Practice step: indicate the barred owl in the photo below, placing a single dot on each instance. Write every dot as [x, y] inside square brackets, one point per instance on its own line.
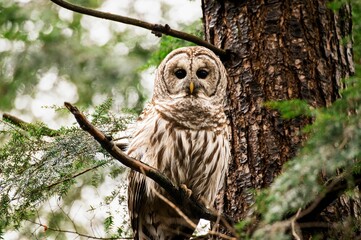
[183, 133]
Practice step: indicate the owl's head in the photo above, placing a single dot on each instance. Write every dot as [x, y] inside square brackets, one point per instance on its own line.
[194, 73]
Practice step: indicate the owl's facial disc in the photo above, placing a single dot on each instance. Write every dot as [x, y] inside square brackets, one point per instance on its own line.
[191, 75]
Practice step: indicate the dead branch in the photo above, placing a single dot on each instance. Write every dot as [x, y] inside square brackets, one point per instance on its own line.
[47, 228]
[156, 29]
[189, 205]
[75, 175]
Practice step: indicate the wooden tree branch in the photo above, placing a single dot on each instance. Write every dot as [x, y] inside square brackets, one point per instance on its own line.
[46, 130]
[308, 218]
[189, 205]
[14, 120]
[333, 191]
[25, 125]
[157, 29]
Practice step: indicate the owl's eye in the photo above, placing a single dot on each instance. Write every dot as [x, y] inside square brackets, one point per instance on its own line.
[201, 73]
[180, 73]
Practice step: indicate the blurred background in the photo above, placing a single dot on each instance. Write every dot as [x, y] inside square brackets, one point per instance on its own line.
[49, 55]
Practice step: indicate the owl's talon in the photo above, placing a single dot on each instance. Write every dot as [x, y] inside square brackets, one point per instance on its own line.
[186, 190]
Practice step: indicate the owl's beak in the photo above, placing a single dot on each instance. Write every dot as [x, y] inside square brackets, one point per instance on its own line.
[191, 87]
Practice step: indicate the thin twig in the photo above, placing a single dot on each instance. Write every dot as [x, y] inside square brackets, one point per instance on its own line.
[157, 29]
[47, 228]
[294, 226]
[189, 221]
[172, 205]
[60, 181]
[75, 175]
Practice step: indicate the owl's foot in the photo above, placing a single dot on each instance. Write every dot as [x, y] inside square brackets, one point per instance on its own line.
[187, 192]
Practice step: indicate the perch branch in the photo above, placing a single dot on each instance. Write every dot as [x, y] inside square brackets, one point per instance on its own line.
[157, 29]
[25, 125]
[190, 205]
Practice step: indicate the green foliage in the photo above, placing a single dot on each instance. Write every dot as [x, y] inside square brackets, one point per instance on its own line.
[36, 40]
[108, 223]
[37, 163]
[334, 145]
[49, 166]
[336, 5]
[292, 108]
[168, 44]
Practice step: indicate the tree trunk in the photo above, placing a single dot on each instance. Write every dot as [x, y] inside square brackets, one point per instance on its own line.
[279, 50]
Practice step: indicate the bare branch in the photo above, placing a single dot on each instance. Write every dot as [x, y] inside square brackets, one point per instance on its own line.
[157, 29]
[189, 205]
[295, 228]
[47, 228]
[75, 175]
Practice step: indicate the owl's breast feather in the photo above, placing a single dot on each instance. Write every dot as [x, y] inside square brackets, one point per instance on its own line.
[196, 158]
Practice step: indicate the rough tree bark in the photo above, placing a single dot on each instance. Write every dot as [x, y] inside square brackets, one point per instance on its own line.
[280, 50]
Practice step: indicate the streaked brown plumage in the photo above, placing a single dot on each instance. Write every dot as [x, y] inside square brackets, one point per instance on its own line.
[183, 133]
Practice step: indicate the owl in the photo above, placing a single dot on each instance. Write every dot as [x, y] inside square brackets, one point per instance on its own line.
[183, 133]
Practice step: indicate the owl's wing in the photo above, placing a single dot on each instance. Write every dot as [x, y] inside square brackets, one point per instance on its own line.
[137, 189]
[136, 199]
[124, 138]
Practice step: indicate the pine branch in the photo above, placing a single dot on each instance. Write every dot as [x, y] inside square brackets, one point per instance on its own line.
[308, 218]
[189, 205]
[156, 29]
[333, 191]
[75, 175]
[25, 125]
